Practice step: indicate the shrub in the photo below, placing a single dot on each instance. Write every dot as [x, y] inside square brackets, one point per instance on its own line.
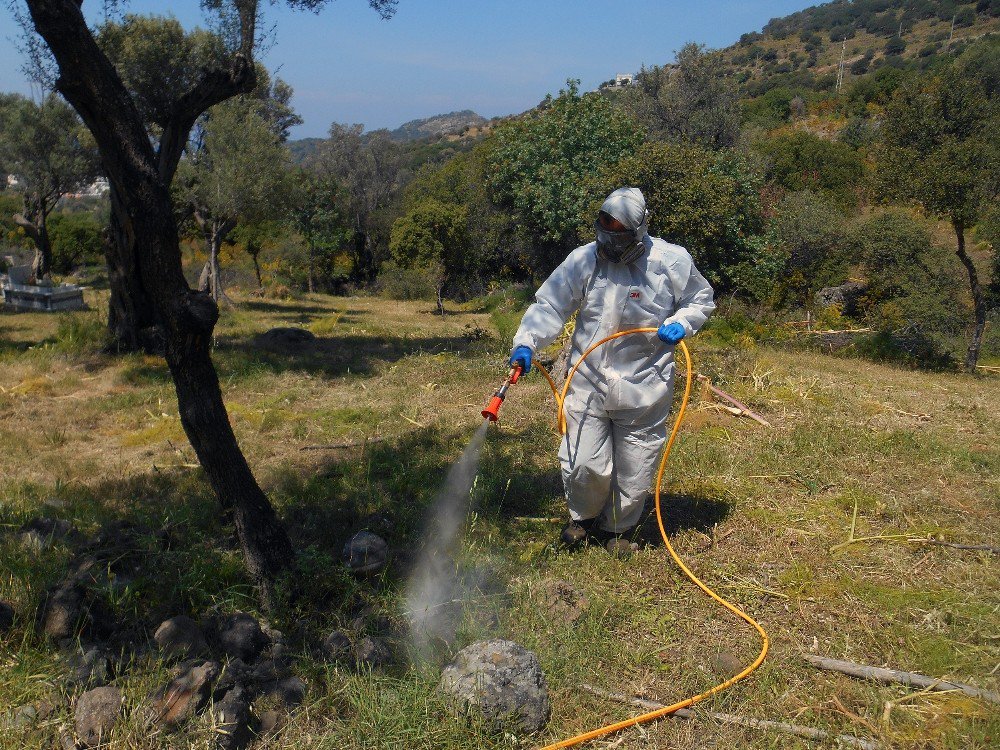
[412, 283]
[77, 239]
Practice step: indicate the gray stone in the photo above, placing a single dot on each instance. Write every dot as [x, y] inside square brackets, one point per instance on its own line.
[181, 638]
[240, 637]
[503, 681]
[372, 653]
[97, 711]
[232, 722]
[337, 647]
[271, 670]
[6, 617]
[31, 713]
[845, 295]
[186, 694]
[236, 675]
[291, 691]
[271, 722]
[90, 667]
[62, 611]
[365, 553]
[40, 533]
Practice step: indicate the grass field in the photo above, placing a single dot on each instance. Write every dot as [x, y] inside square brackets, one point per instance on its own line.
[755, 511]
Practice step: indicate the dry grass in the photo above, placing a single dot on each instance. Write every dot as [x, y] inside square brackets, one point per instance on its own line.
[755, 511]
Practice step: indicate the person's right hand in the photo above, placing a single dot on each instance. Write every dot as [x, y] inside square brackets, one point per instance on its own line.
[521, 356]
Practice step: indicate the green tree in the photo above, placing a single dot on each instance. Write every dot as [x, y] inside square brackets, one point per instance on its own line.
[47, 149]
[142, 172]
[239, 172]
[316, 216]
[76, 238]
[433, 238]
[539, 167]
[810, 236]
[706, 201]
[694, 100]
[368, 169]
[940, 150]
[802, 161]
[910, 296]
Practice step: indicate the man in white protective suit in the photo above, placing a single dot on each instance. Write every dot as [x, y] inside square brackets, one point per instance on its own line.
[617, 407]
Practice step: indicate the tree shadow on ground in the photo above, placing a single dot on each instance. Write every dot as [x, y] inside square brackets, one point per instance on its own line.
[329, 356]
[284, 308]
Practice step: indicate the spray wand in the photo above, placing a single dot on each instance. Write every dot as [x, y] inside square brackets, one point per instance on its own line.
[492, 410]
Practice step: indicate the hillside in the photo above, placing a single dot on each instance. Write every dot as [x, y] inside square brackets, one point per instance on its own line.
[807, 46]
[451, 124]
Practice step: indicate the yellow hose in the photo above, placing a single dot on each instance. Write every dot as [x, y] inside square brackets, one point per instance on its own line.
[765, 641]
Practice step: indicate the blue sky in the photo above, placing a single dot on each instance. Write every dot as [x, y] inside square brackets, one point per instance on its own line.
[436, 56]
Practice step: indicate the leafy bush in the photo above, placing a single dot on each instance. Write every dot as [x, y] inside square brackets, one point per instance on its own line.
[77, 239]
[912, 300]
[414, 282]
[709, 202]
[803, 161]
[810, 236]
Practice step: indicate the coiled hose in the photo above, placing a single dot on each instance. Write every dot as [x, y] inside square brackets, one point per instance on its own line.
[765, 641]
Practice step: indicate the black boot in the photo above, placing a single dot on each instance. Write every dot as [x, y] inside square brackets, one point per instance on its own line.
[575, 533]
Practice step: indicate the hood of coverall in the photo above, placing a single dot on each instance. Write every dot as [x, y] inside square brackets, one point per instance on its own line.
[627, 205]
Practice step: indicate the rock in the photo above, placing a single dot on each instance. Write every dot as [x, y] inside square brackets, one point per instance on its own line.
[31, 713]
[97, 711]
[337, 647]
[6, 617]
[291, 691]
[372, 653]
[285, 338]
[271, 722]
[90, 667]
[41, 533]
[365, 553]
[561, 602]
[62, 610]
[232, 717]
[503, 681]
[67, 741]
[272, 670]
[846, 295]
[240, 637]
[186, 694]
[725, 664]
[236, 675]
[180, 637]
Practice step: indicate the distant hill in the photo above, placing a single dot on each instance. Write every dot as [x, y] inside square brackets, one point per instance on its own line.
[868, 33]
[453, 123]
[304, 149]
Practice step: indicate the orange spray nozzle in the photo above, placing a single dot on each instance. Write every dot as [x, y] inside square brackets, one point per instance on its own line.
[492, 410]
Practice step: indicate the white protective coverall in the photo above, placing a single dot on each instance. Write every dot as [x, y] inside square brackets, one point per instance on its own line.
[617, 406]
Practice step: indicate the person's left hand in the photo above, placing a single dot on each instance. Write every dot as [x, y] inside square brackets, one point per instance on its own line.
[671, 333]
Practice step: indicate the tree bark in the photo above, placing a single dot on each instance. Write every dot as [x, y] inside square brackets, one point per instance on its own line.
[132, 322]
[978, 299]
[91, 85]
[32, 221]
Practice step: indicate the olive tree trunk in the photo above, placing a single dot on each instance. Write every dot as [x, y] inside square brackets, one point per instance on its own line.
[91, 85]
[978, 300]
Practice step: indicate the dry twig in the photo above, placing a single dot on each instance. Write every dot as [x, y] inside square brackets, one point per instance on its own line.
[895, 676]
[743, 721]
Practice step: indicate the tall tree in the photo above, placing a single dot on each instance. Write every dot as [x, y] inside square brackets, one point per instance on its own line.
[368, 167]
[316, 216]
[540, 168]
[694, 100]
[47, 149]
[940, 150]
[238, 173]
[141, 175]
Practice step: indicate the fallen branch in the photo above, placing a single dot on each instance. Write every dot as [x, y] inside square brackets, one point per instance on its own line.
[880, 674]
[337, 446]
[851, 539]
[954, 545]
[843, 330]
[743, 721]
[738, 404]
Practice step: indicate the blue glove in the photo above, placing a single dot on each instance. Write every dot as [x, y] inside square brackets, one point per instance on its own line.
[521, 356]
[671, 333]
